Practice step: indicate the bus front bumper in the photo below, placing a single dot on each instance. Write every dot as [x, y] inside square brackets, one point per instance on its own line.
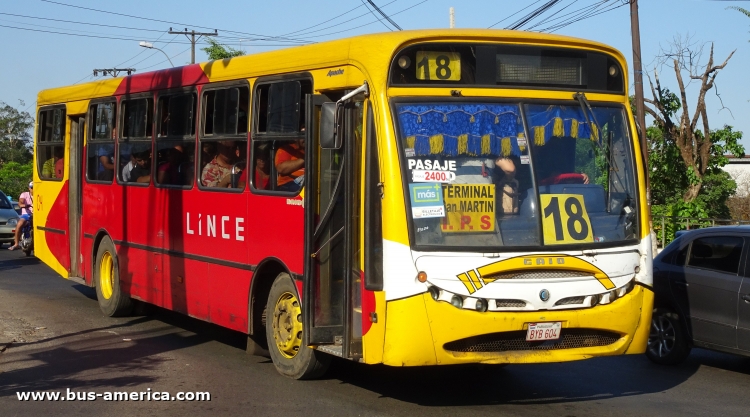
[421, 331]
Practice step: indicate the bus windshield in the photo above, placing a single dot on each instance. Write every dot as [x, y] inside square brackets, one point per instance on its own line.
[484, 175]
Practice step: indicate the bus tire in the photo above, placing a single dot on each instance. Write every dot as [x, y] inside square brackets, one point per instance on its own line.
[112, 301]
[284, 334]
[668, 342]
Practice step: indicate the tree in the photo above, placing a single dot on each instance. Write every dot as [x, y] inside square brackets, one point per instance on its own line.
[15, 177]
[216, 51]
[670, 178]
[741, 10]
[15, 134]
[693, 144]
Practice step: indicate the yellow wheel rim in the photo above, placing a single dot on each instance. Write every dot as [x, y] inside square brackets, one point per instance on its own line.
[106, 275]
[287, 325]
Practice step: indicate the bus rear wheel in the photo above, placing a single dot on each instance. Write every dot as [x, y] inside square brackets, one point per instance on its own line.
[284, 334]
[112, 301]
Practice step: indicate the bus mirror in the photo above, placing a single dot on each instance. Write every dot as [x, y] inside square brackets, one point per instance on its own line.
[330, 129]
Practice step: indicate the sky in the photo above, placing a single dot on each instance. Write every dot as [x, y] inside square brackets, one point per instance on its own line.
[38, 55]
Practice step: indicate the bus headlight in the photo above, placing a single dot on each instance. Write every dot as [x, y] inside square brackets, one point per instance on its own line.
[481, 305]
[434, 292]
[457, 301]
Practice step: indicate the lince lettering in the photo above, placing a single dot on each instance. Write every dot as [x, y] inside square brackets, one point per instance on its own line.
[212, 225]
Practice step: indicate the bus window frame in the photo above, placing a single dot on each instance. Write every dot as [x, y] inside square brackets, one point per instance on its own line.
[51, 144]
[184, 138]
[521, 102]
[122, 139]
[90, 118]
[273, 138]
[201, 136]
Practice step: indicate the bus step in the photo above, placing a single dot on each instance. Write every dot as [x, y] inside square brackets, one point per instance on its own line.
[332, 350]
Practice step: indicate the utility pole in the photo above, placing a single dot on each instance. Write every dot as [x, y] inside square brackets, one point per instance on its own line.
[191, 36]
[640, 113]
[112, 71]
[452, 13]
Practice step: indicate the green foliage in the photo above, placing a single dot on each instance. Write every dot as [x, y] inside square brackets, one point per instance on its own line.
[216, 51]
[670, 178]
[15, 178]
[15, 134]
[741, 10]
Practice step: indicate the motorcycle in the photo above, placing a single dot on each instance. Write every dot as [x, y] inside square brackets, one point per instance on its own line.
[27, 237]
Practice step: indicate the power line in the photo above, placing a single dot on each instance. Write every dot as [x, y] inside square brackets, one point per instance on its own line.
[143, 51]
[573, 15]
[308, 32]
[508, 17]
[367, 24]
[385, 16]
[159, 63]
[79, 23]
[129, 39]
[519, 23]
[590, 14]
[326, 21]
[168, 22]
[376, 17]
[550, 17]
[92, 24]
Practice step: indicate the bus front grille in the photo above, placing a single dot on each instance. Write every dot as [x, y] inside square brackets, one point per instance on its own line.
[516, 341]
[541, 274]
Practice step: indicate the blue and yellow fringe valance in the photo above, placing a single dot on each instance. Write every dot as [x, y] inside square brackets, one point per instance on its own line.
[483, 129]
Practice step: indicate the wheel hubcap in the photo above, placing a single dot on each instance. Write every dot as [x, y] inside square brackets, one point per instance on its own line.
[106, 275]
[661, 339]
[287, 325]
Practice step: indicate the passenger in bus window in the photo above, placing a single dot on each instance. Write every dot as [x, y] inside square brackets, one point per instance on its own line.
[142, 171]
[59, 162]
[217, 173]
[53, 167]
[290, 166]
[262, 168]
[507, 185]
[128, 168]
[208, 150]
[106, 168]
[167, 171]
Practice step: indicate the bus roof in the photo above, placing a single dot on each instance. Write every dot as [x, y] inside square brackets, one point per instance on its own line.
[371, 50]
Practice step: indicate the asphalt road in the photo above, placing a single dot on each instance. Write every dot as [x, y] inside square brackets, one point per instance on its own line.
[53, 338]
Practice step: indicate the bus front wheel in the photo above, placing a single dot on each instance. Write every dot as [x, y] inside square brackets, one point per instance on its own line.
[112, 301]
[284, 334]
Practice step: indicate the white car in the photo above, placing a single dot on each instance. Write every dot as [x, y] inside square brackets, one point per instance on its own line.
[8, 220]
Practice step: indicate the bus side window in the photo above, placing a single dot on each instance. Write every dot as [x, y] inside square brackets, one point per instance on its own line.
[279, 151]
[223, 139]
[51, 144]
[135, 154]
[175, 140]
[100, 158]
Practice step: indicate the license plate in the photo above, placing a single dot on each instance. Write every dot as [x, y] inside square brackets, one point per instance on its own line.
[543, 331]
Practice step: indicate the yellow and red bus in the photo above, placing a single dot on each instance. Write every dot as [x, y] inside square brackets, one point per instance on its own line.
[410, 198]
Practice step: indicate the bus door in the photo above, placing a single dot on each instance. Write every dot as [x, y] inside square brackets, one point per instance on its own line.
[75, 195]
[331, 279]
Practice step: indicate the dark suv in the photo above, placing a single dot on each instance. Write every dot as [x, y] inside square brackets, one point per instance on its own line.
[702, 288]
